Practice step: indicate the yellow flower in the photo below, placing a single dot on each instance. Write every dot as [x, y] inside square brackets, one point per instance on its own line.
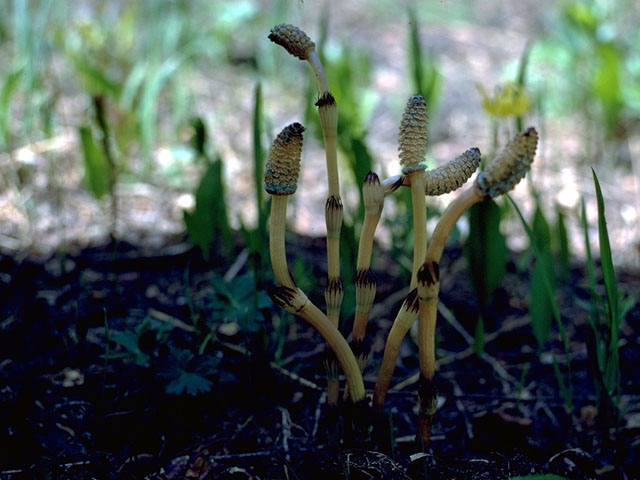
[507, 100]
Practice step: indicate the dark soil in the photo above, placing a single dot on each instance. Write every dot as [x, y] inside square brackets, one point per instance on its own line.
[90, 344]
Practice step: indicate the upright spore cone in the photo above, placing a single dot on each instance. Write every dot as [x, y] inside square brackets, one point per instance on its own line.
[294, 40]
[283, 165]
[412, 140]
[510, 166]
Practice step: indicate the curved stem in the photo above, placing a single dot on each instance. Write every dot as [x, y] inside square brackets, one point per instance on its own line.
[448, 220]
[401, 325]
[295, 301]
[318, 70]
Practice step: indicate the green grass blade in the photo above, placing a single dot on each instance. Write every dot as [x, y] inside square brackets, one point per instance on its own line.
[423, 69]
[564, 254]
[521, 80]
[132, 85]
[590, 264]
[606, 260]
[540, 308]
[149, 102]
[415, 52]
[258, 160]
[486, 250]
[612, 364]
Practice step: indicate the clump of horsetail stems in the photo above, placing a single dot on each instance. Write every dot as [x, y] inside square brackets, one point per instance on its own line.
[298, 44]
[500, 176]
[281, 173]
[280, 180]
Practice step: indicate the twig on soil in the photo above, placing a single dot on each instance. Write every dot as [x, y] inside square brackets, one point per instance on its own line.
[495, 364]
[177, 323]
[235, 268]
[283, 371]
[453, 321]
[240, 428]
[460, 406]
[296, 357]
[173, 321]
[20, 471]
[316, 417]
[286, 431]
[509, 326]
[236, 456]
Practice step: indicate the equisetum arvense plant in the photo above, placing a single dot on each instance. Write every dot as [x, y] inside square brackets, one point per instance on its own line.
[421, 301]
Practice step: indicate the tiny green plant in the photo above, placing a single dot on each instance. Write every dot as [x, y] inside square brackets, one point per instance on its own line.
[546, 279]
[281, 181]
[101, 170]
[208, 222]
[606, 314]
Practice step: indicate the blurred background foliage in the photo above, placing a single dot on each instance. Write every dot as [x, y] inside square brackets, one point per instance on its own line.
[177, 82]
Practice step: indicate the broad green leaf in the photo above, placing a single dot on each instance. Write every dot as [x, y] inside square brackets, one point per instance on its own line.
[209, 221]
[96, 81]
[486, 250]
[95, 164]
[606, 83]
[541, 230]
[200, 138]
[540, 307]
[562, 242]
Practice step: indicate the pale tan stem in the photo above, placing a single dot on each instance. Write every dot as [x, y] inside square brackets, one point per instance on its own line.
[428, 288]
[448, 220]
[328, 111]
[277, 224]
[365, 281]
[419, 204]
[401, 325]
[318, 70]
[334, 291]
